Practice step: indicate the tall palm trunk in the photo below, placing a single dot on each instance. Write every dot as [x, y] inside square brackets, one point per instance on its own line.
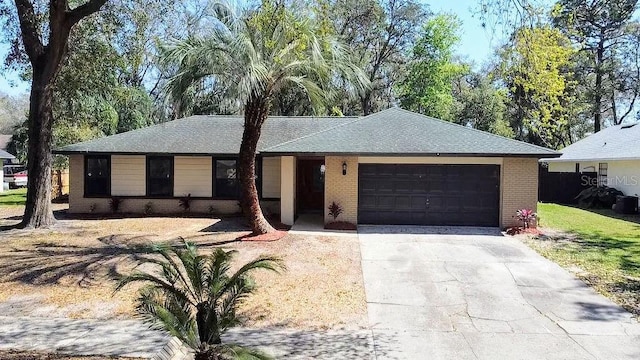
[255, 114]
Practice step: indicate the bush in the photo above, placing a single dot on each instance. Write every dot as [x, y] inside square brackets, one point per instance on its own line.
[185, 202]
[526, 216]
[335, 210]
[598, 197]
[114, 204]
[148, 208]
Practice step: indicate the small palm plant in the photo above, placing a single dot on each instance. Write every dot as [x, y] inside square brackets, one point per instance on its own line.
[194, 297]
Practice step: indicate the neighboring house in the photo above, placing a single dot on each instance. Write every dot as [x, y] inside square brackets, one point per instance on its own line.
[391, 167]
[613, 153]
[3, 157]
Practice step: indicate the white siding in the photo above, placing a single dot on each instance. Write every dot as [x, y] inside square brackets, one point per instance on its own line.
[192, 175]
[624, 176]
[271, 177]
[128, 174]
[562, 166]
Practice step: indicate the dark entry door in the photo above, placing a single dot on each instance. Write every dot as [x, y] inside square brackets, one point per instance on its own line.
[429, 194]
[310, 185]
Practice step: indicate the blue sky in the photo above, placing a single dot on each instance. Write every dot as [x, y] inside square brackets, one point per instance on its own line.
[476, 43]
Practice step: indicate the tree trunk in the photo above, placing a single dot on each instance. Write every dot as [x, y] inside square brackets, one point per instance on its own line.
[256, 112]
[38, 211]
[366, 103]
[597, 104]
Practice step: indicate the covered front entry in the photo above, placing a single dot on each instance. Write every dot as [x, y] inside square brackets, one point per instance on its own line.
[310, 185]
[420, 194]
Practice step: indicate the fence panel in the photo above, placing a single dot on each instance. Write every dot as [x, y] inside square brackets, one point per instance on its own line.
[563, 187]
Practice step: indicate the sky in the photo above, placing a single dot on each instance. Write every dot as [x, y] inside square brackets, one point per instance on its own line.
[476, 43]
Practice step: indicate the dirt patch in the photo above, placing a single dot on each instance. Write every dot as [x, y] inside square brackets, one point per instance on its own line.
[69, 270]
[35, 355]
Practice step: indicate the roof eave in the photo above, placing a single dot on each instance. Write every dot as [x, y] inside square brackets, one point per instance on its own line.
[383, 154]
[573, 160]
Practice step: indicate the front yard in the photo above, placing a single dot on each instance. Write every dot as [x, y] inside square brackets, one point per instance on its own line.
[15, 197]
[600, 247]
[69, 270]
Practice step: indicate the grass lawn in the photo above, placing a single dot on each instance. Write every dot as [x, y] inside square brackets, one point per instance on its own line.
[601, 247]
[15, 197]
[69, 270]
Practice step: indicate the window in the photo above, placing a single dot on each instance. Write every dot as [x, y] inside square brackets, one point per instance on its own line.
[603, 172]
[160, 176]
[226, 180]
[97, 176]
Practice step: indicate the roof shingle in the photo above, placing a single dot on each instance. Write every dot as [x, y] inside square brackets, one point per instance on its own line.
[620, 142]
[389, 132]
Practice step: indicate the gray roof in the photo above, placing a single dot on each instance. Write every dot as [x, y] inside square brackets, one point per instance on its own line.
[620, 142]
[389, 132]
[397, 131]
[203, 134]
[6, 155]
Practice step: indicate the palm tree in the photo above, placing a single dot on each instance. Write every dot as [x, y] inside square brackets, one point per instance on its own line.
[194, 297]
[252, 56]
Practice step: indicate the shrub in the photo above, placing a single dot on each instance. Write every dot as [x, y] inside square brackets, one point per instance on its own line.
[185, 202]
[335, 210]
[195, 297]
[148, 208]
[598, 197]
[114, 204]
[527, 216]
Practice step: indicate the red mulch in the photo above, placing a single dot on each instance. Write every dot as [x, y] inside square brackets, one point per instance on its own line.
[341, 225]
[518, 230]
[272, 236]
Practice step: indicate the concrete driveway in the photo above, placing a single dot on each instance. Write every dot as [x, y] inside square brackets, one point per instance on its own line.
[469, 293]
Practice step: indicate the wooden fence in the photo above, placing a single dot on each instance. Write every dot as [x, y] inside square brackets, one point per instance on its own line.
[59, 183]
[562, 187]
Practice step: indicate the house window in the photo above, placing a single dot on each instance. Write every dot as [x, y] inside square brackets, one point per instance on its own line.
[97, 175]
[160, 176]
[226, 179]
[603, 172]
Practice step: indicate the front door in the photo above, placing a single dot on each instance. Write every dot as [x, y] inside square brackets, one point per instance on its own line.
[310, 185]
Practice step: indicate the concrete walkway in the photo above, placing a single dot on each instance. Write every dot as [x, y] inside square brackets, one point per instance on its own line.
[131, 338]
[469, 293]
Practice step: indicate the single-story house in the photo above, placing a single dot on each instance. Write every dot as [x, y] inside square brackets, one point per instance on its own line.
[613, 153]
[3, 156]
[391, 167]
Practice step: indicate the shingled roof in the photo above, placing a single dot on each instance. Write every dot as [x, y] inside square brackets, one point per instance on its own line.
[620, 142]
[203, 134]
[389, 132]
[396, 131]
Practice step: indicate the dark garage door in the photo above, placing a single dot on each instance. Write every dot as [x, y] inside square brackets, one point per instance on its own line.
[429, 194]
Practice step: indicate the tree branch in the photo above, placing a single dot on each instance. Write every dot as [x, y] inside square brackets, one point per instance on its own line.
[84, 10]
[29, 29]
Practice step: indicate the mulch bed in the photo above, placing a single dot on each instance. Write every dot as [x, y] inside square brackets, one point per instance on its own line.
[518, 230]
[272, 236]
[340, 225]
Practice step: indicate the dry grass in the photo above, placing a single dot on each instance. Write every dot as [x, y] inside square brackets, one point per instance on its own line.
[36, 355]
[69, 270]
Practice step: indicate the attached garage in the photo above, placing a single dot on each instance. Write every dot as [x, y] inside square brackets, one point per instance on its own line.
[428, 194]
